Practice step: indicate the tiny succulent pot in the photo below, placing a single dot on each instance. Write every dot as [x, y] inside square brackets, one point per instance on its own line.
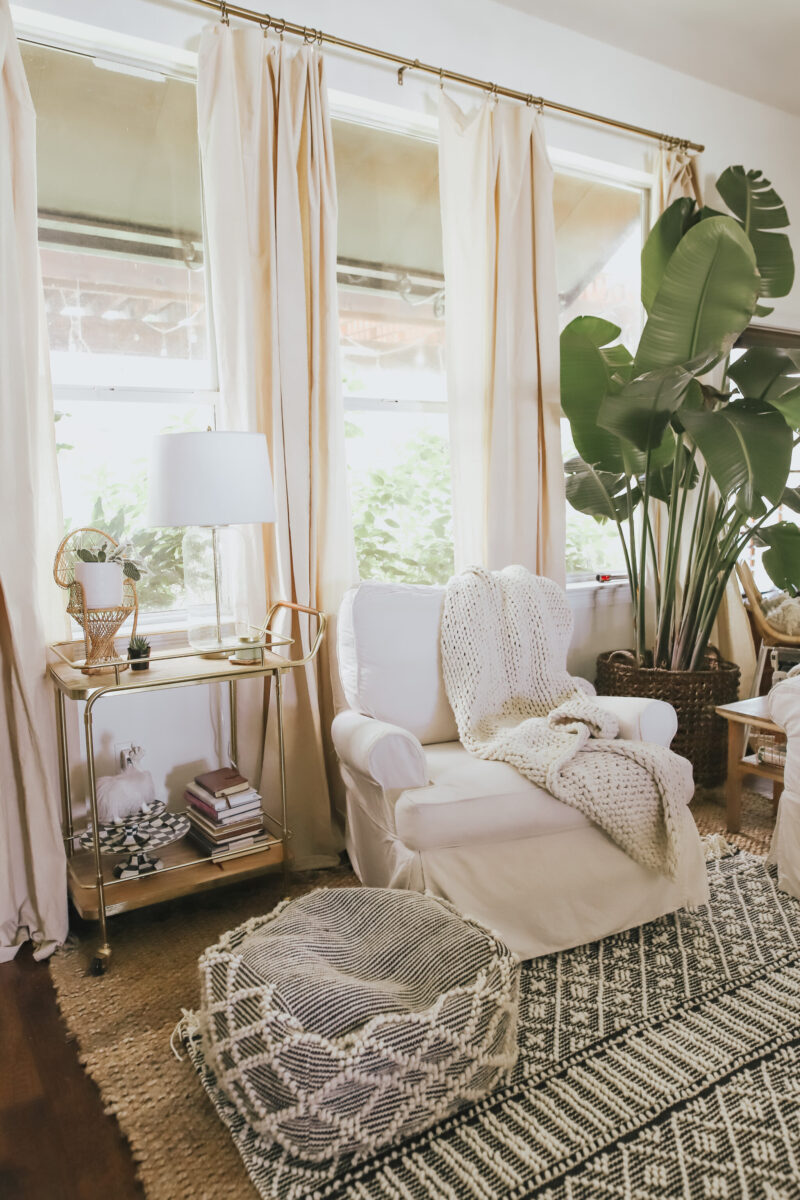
[139, 654]
[101, 583]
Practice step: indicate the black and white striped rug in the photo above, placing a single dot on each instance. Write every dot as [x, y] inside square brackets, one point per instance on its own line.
[659, 1063]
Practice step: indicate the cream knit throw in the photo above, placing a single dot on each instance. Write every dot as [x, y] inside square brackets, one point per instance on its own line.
[505, 637]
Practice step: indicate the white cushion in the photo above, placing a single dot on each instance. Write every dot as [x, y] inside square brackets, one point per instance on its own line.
[473, 800]
[389, 657]
[784, 709]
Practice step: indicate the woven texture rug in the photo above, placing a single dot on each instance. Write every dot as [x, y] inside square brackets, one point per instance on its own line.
[123, 1022]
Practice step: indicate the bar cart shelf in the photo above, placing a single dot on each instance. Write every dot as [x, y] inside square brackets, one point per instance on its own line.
[95, 893]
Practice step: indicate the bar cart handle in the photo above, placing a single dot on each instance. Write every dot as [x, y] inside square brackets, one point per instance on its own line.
[322, 622]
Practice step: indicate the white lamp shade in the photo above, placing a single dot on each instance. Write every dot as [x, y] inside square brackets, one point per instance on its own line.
[210, 479]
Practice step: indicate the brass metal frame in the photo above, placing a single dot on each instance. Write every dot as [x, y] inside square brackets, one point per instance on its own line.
[92, 689]
[312, 36]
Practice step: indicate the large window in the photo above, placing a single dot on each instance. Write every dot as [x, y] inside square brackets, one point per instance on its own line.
[120, 232]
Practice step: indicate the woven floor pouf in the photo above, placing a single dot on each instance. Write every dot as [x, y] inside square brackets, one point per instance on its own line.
[352, 1017]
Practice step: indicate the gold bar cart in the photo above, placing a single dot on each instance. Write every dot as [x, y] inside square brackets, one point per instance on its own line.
[94, 892]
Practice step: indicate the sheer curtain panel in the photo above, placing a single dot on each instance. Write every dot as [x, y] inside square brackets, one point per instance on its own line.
[270, 202]
[502, 345]
[33, 891]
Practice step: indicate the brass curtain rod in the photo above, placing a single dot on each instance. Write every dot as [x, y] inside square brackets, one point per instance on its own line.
[310, 36]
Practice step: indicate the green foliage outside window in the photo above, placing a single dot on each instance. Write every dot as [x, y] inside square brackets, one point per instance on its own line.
[402, 517]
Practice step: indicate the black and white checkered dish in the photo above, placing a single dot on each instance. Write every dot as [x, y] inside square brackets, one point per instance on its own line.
[138, 835]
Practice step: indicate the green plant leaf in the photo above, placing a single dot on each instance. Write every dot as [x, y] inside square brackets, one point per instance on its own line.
[747, 449]
[781, 560]
[660, 246]
[641, 411]
[791, 499]
[595, 493]
[771, 375]
[661, 477]
[586, 370]
[86, 555]
[761, 211]
[706, 298]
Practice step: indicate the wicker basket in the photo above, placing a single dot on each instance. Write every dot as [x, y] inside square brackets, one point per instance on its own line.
[702, 736]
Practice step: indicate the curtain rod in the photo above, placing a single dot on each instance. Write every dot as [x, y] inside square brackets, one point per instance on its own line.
[310, 36]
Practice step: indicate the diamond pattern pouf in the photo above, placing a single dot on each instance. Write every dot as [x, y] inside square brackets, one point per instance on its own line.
[352, 1017]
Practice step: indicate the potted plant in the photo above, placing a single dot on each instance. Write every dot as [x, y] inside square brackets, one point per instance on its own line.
[688, 469]
[139, 649]
[101, 571]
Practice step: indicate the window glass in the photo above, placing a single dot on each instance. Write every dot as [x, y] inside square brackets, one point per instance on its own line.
[391, 319]
[120, 233]
[599, 230]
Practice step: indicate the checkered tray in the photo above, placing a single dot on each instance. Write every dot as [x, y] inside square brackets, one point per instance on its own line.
[136, 837]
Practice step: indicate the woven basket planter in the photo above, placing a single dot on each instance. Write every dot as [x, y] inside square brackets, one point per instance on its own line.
[702, 736]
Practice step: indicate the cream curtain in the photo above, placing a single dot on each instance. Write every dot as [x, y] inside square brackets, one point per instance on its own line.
[496, 186]
[270, 202]
[33, 895]
[677, 174]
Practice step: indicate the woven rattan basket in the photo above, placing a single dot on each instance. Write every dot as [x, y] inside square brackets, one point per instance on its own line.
[702, 736]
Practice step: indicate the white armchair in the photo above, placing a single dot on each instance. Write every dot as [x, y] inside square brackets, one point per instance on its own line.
[784, 851]
[423, 813]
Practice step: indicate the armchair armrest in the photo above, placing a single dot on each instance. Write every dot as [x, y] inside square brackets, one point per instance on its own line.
[387, 754]
[642, 720]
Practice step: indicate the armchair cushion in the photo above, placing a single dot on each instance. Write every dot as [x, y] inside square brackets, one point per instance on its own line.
[388, 755]
[389, 657]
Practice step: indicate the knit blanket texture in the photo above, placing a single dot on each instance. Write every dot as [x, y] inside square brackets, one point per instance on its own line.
[504, 640]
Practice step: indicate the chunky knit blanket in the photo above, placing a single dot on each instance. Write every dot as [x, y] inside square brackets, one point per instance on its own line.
[505, 637]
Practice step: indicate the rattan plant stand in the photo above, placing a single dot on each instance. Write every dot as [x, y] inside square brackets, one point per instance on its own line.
[100, 625]
[94, 890]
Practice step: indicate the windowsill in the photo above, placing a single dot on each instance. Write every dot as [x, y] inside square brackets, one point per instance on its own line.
[590, 593]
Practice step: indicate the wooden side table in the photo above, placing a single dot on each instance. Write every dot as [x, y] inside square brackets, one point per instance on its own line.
[741, 715]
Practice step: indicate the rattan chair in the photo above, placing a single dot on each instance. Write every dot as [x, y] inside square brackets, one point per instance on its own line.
[771, 637]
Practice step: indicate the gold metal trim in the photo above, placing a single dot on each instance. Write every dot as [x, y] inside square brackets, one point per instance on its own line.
[226, 11]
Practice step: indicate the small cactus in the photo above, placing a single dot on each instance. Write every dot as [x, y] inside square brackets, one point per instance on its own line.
[138, 645]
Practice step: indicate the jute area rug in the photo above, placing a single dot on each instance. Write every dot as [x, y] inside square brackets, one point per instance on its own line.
[123, 1021]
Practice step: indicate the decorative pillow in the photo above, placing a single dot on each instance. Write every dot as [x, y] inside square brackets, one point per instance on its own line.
[352, 1017]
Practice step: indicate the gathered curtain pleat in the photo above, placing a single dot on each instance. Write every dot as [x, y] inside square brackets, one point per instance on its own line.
[271, 214]
[502, 348]
[33, 887]
[677, 174]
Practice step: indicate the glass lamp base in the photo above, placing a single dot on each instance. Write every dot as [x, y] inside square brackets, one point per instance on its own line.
[212, 559]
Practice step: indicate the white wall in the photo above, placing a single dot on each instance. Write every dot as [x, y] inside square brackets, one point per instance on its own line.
[489, 40]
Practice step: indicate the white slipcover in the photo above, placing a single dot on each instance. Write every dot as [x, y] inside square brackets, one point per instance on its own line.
[422, 813]
[784, 851]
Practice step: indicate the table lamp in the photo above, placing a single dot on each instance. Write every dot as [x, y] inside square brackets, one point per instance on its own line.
[209, 483]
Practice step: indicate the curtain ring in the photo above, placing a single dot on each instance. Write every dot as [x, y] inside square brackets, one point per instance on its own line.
[265, 24]
[441, 79]
[492, 90]
[540, 105]
[223, 13]
[309, 41]
[282, 28]
[319, 37]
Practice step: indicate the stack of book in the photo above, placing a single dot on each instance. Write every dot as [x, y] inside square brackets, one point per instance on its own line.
[224, 812]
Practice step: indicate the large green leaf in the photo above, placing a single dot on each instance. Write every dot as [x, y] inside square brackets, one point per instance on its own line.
[782, 560]
[761, 211]
[707, 296]
[587, 364]
[641, 411]
[680, 468]
[747, 449]
[661, 242]
[771, 375]
[595, 493]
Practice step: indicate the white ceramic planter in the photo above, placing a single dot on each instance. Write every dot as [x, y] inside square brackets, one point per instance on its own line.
[101, 582]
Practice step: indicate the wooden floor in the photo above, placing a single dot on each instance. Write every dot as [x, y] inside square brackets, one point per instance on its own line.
[56, 1143]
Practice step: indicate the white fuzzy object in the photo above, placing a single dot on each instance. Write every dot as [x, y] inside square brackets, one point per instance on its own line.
[784, 613]
[120, 796]
[505, 637]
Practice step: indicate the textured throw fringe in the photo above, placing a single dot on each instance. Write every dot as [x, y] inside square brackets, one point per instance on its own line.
[187, 1027]
[715, 846]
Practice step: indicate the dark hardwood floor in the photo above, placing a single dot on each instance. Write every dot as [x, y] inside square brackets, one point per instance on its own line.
[56, 1143]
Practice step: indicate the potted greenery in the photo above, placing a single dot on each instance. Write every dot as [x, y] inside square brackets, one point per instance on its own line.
[687, 469]
[101, 571]
[139, 653]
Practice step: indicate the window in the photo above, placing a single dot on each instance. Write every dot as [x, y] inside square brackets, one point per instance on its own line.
[599, 234]
[391, 314]
[120, 234]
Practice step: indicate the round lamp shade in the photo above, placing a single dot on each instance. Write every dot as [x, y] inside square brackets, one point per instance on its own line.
[213, 478]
